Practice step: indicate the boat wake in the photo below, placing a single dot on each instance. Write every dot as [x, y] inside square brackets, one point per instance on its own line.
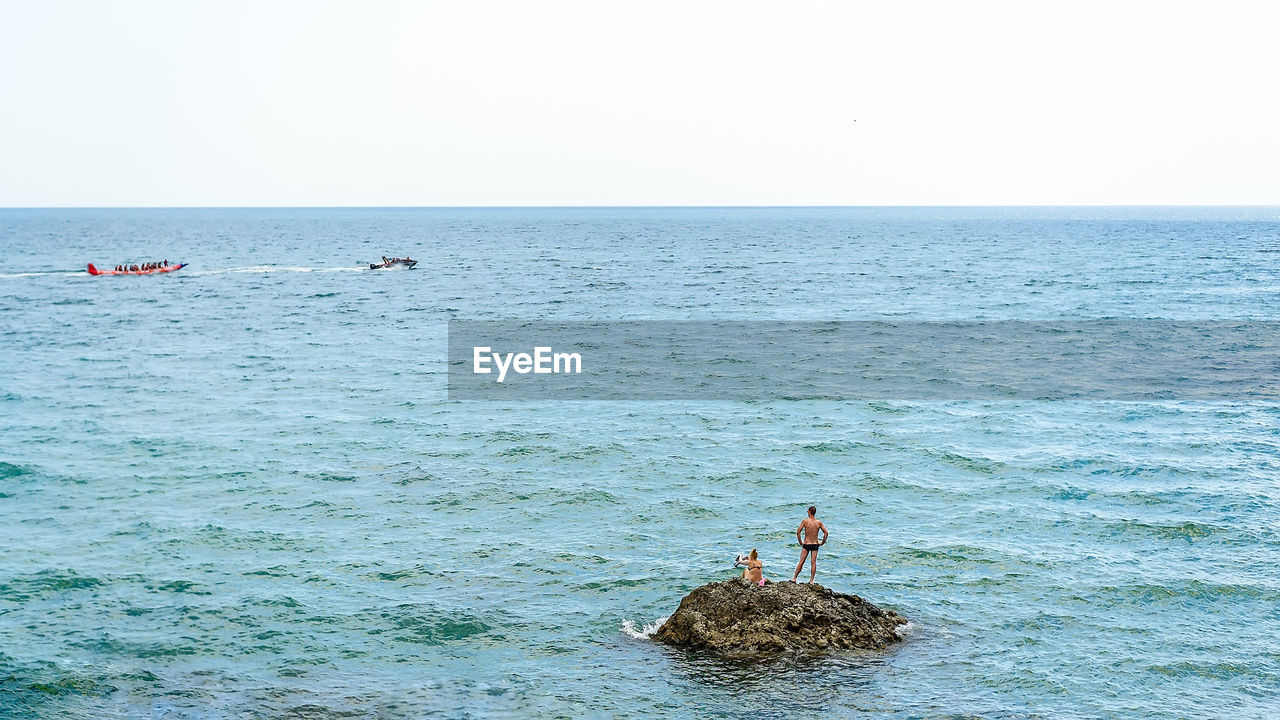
[43, 273]
[645, 631]
[273, 268]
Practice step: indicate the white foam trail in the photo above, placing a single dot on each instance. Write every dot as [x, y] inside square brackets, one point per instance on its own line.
[43, 273]
[645, 632]
[273, 268]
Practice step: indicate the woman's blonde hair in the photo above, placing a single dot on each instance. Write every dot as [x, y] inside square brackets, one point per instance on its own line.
[753, 553]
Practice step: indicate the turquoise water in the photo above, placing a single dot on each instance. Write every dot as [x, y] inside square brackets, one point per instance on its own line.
[240, 490]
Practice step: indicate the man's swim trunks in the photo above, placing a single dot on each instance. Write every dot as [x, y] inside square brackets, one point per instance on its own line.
[810, 548]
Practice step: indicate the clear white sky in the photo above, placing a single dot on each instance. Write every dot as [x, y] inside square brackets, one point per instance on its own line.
[638, 103]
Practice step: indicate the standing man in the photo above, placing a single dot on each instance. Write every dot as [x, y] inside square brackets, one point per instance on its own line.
[807, 536]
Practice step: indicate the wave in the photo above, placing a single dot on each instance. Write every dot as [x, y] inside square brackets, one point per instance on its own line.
[1188, 530]
[912, 630]
[978, 465]
[426, 626]
[45, 583]
[1179, 592]
[1211, 670]
[645, 632]
[8, 470]
[1235, 289]
[838, 447]
[945, 554]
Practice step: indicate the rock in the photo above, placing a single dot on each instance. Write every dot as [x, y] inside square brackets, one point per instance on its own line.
[737, 617]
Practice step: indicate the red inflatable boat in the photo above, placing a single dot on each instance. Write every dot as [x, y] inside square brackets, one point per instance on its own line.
[167, 268]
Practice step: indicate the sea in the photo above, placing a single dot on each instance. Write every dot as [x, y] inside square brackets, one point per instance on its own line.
[243, 489]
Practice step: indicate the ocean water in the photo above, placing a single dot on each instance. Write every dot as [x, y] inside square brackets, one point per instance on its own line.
[241, 490]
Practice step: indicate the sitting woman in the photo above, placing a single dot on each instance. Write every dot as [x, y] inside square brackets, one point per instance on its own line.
[754, 571]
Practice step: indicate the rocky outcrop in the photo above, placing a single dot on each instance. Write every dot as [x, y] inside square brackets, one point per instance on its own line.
[737, 617]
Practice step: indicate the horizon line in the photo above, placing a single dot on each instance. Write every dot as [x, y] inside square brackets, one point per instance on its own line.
[623, 207]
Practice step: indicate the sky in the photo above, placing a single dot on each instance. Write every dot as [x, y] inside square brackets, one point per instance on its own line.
[699, 102]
